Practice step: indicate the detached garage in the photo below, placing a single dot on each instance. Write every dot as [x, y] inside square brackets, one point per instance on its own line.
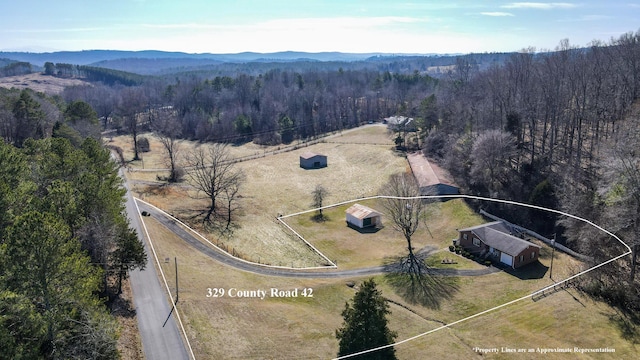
[360, 216]
[309, 160]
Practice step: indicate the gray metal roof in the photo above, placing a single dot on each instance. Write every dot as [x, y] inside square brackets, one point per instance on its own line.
[308, 155]
[498, 235]
[426, 172]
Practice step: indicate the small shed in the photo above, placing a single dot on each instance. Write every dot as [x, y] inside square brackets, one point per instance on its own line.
[309, 160]
[360, 216]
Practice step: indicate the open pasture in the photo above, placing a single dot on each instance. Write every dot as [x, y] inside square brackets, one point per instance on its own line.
[232, 327]
[277, 185]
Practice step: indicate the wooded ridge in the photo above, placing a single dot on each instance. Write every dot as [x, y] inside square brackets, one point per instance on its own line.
[557, 129]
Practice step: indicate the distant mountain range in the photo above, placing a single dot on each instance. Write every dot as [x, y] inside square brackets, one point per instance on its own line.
[152, 62]
[87, 57]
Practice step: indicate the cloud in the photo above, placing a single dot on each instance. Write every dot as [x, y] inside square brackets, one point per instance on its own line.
[589, 18]
[539, 5]
[496, 13]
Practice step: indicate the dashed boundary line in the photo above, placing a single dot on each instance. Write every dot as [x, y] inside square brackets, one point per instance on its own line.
[509, 302]
[173, 303]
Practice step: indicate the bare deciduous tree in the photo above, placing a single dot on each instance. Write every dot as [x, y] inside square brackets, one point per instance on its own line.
[230, 197]
[491, 158]
[319, 194]
[132, 104]
[620, 186]
[168, 130]
[405, 209]
[213, 172]
[410, 275]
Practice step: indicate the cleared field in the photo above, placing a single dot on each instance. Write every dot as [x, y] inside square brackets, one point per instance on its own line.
[40, 83]
[277, 185]
[356, 249]
[303, 328]
[294, 328]
[154, 159]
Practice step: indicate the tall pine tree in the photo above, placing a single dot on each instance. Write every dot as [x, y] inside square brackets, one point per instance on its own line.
[365, 325]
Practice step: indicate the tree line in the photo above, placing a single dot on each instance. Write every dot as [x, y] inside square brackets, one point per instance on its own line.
[14, 68]
[65, 241]
[270, 108]
[92, 73]
[546, 128]
[558, 130]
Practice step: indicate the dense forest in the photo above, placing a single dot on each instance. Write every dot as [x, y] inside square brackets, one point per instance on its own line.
[65, 240]
[558, 129]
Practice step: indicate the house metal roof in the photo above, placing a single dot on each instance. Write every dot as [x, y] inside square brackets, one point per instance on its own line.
[498, 235]
[361, 212]
[426, 172]
[309, 155]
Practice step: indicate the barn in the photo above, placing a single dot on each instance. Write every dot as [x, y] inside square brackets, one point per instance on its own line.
[495, 241]
[432, 179]
[310, 160]
[360, 217]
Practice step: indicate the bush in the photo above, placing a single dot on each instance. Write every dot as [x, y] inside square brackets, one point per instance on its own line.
[452, 248]
[143, 144]
[179, 174]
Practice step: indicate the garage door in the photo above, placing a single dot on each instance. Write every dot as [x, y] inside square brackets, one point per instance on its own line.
[506, 259]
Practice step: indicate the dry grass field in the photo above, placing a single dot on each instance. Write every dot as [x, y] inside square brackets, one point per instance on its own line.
[39, 83]
[303, 328]
[277, 185]
[355, 249]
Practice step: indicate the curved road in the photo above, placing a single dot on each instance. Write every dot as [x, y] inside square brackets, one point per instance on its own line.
[226, 259]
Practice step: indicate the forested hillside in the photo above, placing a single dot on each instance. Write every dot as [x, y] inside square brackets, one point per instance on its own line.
[65, 241]
[557, 128]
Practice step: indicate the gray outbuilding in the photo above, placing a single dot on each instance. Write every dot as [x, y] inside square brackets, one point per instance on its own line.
[310, 160]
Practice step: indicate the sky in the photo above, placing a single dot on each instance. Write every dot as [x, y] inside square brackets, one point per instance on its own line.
[354, 26]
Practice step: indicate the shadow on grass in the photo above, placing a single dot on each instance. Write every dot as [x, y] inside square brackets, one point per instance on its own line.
[366, 230]
[628, 324]
[122, 307]
[419, 287]
[531, 271]
[319, 218]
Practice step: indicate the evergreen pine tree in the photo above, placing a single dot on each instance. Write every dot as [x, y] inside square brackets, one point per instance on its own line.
[365, 325]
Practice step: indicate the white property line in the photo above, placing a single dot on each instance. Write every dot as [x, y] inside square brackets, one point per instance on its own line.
[173, 303]
[512, 301]
[629, 251]
[235, 257]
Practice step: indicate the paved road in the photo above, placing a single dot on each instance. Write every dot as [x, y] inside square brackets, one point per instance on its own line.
[152, 307]
[224, 258]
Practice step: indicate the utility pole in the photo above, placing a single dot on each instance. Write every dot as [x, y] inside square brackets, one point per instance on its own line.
[553, 249]
[177, 295]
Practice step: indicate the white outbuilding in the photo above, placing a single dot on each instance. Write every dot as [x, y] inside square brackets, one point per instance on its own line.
[360, 216]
